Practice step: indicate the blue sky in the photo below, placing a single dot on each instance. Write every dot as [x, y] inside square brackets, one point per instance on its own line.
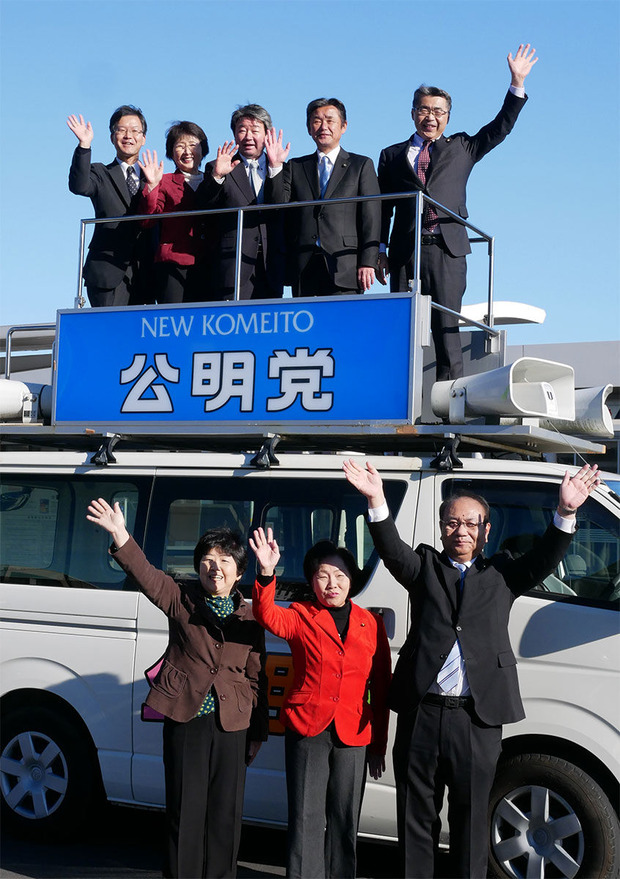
[549, 193]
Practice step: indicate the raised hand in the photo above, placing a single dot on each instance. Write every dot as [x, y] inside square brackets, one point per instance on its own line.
[152, 169]
[82, 130]
[575, 490]
[366, 480]
[521, 64]
[224, 162]
[110, 519]
[266, 550]
[277, 154]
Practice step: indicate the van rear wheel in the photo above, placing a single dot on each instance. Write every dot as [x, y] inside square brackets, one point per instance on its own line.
[548, 818]
[47, 774]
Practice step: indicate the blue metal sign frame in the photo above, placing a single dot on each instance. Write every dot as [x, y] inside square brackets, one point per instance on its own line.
[270, 364]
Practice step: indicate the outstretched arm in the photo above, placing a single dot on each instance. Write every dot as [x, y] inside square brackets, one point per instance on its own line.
[366, 480]
[575, 490]
[82, 130]
[521, 64]
[110, 519]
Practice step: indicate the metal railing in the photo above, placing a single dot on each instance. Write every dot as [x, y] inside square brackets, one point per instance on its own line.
[415, 284]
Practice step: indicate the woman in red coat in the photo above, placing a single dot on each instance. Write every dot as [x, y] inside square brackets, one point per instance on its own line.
[181, 259]
[336, 713]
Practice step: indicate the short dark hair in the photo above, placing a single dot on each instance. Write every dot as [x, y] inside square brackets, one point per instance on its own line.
[470, 496]
[178, 129]
[326, 102]
[251, 111]
[325, 549]
[227, 541]
[127, 110]
[431, 91]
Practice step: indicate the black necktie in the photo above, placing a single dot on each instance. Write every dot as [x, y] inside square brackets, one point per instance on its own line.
[132, 182]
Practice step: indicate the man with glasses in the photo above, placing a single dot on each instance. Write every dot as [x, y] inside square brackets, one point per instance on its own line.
[439, 167]
[455, 682]
[119, 255]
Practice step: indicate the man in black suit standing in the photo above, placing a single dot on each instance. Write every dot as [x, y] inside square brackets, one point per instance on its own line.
[455, 682]
[237, 179]
[440, 166]
[332, 249]
[119, 256]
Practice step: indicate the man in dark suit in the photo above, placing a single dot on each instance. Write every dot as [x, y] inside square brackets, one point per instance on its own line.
[440, 166]
[119, 255]
[236, 179]
[332, 249]
[455, 682]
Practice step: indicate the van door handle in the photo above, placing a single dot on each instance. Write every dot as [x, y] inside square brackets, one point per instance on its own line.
[389, 619]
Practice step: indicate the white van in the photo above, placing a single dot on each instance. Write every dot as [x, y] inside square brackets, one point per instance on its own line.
[77, 636]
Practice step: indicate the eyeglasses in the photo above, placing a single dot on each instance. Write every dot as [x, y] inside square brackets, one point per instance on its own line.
[437, 112]
[471, 525]
[134, 131]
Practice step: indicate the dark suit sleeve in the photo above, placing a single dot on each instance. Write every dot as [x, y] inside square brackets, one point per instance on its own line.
[278, 188]
[387, 206]
[210, 192]
[530, 569]
[492, 134]
[401, 560]
[369, 217]
[81, 179]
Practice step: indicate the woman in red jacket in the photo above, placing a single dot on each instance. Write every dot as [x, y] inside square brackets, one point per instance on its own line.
[336, 713]
[181, 259]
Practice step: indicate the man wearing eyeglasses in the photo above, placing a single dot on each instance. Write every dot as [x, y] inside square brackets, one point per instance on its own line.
[455, 682]
[117, 267]
[439, 167]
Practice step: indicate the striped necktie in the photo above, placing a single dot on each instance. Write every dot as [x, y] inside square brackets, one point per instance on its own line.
[449, 673]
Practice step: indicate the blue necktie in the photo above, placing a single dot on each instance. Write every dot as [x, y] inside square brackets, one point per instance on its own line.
[324, 174]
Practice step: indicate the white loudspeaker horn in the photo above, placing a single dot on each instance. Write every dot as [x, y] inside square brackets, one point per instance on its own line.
[529, 387]
[592, 415]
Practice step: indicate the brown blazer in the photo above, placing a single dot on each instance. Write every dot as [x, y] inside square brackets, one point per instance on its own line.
[203, 652]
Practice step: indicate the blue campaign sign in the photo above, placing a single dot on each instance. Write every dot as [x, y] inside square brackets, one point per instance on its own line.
[302, 361]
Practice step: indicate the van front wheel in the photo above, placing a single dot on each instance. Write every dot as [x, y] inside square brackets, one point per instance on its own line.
[548, 818]
[46, 773]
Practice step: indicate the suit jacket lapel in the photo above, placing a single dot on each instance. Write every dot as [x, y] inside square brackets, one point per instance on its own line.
[340, 168]
[450, 578]
[239, 176]
[325, 621]
[119, 181]
[311, 170]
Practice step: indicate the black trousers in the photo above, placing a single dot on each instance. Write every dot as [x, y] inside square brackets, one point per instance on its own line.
[443, 277]
[325, 783]
[437, 748]
[205, 780]
[317, 278]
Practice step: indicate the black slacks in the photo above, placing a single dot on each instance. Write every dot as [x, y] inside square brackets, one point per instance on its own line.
[435, 748]
[205, 780]
[317, 277]
[325, 783]
[443, 277]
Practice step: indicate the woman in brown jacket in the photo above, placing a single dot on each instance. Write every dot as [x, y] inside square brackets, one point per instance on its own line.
[211, 689]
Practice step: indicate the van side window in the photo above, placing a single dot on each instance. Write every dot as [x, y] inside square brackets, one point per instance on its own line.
[301, 511]
[520, 513]
[45, 539]
[189, 518]
[318, 511]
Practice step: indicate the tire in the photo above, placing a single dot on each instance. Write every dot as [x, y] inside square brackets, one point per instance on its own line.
[548, 818]
[48, 780]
